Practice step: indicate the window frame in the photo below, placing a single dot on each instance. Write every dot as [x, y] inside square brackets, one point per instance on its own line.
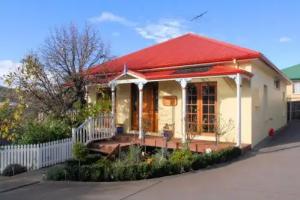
[199, 103]
[294, 83]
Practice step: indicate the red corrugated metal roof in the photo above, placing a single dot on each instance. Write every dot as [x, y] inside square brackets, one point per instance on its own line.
[188, 49]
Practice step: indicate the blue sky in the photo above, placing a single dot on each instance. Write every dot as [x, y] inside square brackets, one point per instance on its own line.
[269, 26]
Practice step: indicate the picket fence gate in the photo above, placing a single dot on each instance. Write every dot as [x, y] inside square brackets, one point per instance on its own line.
[36, 156]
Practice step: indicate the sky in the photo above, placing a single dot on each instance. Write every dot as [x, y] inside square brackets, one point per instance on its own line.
[269, 26]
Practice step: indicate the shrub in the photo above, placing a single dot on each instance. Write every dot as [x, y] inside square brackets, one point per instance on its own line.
[181, 160]
[80, 151]
[199, 162]
[85, 172]
[129, 168]
[33, 132]
[133, 155]
[13, 169]
[56, 173]
[122, 171]
[72, 170]
[102, 170]
[160, 169]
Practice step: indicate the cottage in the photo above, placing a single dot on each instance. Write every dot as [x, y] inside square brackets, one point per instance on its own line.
[191, 84]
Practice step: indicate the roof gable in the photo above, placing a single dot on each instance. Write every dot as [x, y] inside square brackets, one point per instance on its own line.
[188, 49]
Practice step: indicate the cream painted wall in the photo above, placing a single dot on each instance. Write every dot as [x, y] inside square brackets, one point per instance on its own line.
[169, 114]
[273, 113]
[123, 106]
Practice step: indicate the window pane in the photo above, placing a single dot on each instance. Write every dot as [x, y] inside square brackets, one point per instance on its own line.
[297, 87]
[205, 99]
[212, 109]
[205, 128]
[211, 119]
[211, 128]
[212, 90]
[204, 90]
[205, 119]
[211, 99]
[205, 109]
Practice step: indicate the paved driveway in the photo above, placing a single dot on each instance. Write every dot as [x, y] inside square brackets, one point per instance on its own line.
[270, 172]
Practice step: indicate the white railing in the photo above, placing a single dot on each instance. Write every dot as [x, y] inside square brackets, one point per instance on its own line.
[101, 127]
[36, 156]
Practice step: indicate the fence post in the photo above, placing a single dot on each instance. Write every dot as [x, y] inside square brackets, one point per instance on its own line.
[73, 135]
[90, 129]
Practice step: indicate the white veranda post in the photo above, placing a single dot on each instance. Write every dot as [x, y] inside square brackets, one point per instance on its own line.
[183, 84]
[113, 105]
[238, 81]
[140, 86]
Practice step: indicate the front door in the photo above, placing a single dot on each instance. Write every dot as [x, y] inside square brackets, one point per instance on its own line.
[150, 107]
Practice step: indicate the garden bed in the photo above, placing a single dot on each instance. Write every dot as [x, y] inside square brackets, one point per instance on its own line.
[136, 164]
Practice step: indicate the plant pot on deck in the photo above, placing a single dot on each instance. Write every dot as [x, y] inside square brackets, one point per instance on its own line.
[120, 129]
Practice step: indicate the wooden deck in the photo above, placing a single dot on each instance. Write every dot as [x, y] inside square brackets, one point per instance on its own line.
[125, 140]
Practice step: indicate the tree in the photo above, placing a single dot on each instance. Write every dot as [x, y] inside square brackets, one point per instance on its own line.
[10, 116]
[222, 127]
[68, 53]
[53, 80]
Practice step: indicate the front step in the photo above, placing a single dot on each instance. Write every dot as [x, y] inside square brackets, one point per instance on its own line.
[105, 149]
[109, 147]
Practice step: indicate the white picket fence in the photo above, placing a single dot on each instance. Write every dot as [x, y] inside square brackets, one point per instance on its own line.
[36, 156]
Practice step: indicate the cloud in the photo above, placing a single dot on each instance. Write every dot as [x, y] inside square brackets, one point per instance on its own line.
[163, 30]
[285, 39]
[159, 31]
[116, 34]
[7, 66]
[110, 17]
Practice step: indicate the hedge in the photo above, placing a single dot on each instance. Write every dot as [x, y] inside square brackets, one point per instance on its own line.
[180, 161]
[13, 169]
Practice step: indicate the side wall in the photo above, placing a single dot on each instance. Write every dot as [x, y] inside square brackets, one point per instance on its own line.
[269, 103]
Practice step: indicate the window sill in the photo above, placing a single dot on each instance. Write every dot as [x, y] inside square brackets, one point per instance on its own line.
[203, 134]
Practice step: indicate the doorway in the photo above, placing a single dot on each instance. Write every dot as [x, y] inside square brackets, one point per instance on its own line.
[150, 107]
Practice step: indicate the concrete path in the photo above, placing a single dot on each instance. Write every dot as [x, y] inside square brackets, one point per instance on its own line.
[269, 172]
[21, 180]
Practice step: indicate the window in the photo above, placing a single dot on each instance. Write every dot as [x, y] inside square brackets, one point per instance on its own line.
[208, 108]
[296, 87]
[201, 107]
[277, 83]
[192, 108]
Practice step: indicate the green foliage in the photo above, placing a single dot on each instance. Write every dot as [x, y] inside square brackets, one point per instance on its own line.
[13, 169]
[57, 173]
[133, 155]
[89, 110]
[155, 166]
[38, 132]
[80, 151]
[181, 158]
[121, 171]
